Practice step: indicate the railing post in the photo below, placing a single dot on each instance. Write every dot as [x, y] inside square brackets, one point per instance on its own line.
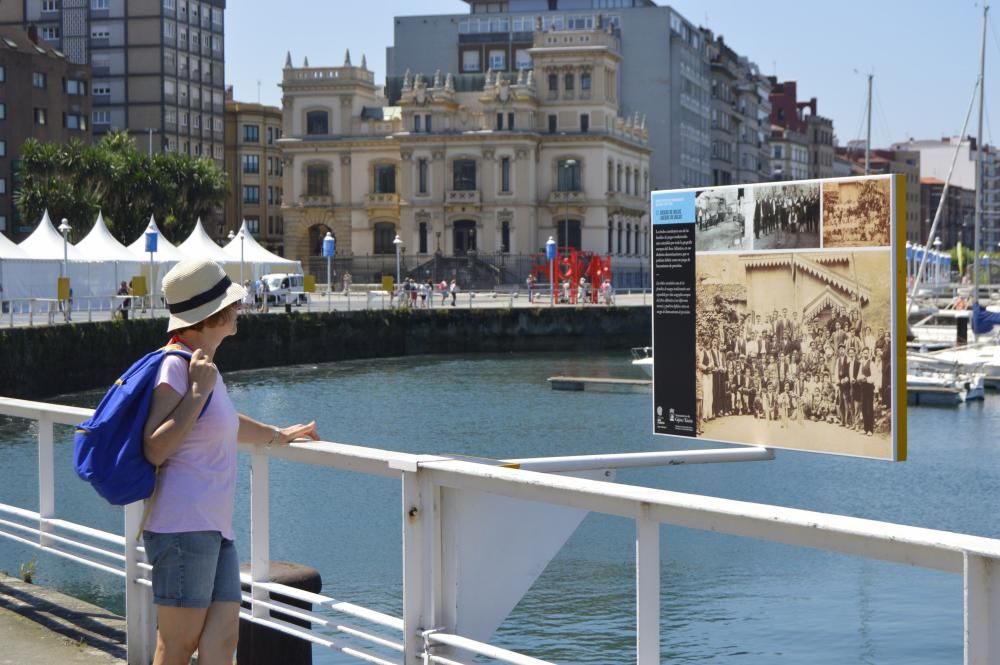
[421, 563]
[647, 589]
[140, 615]
[260, 554]
[982, 610]
[46, 476]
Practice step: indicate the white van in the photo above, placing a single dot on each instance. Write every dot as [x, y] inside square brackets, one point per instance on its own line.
[281, 283]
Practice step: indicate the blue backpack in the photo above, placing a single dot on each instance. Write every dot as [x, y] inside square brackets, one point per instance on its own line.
[108, 447]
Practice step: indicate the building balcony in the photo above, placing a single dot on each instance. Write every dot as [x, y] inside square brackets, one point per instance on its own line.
[316, 201]
[381, 200]
[626, 202]
[558, 198]
[470, 197]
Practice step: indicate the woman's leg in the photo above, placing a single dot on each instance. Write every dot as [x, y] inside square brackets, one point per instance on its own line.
[178, 633]
[218, 639]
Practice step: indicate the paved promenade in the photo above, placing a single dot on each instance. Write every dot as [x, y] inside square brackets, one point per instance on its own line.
[337, 302]
[38, 625]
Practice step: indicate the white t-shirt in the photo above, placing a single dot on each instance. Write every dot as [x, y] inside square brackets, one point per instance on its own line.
[196, 485]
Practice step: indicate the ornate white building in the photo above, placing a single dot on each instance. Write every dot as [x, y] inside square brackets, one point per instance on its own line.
[479, 167]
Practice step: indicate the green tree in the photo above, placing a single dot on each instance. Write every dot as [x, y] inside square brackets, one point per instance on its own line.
[75, 181]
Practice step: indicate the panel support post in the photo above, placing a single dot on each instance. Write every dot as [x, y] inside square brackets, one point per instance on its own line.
[260, 551]
[140, 630]
[421, 563]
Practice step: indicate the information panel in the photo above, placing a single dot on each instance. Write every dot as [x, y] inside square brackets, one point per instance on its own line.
[778, 315]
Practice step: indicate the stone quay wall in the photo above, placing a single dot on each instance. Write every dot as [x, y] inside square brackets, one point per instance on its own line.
[42, 362]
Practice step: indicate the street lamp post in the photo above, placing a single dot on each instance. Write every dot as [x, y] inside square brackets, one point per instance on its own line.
[329, 249]
[64, 229]
[550, 254]
[398, 242]
[242, 238]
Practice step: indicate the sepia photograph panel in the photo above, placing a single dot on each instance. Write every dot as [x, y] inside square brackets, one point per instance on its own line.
[857, 213]
[794, 351]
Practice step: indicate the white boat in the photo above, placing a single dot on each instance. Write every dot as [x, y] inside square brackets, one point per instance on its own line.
[938, 329]
[642, 357]
[983, 358]
[927, 386]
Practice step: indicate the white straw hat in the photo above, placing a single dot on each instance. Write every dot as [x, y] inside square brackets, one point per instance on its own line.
[196, 289]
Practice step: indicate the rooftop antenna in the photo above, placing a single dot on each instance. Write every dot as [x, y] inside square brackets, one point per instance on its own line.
[258, 91]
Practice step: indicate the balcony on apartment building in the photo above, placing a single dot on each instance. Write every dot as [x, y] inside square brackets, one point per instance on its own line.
[463, 197]
[378, 201]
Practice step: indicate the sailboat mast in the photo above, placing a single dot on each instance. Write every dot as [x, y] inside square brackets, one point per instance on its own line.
[979, 160]
[868, 138]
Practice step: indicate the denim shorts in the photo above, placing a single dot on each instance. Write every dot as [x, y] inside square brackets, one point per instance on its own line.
[193, 569]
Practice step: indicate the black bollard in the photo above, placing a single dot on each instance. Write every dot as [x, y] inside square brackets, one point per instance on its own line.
[260, 645]
[962, 330]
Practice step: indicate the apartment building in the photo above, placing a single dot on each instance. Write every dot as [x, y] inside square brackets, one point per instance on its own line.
[802, 119]
[158, 65]
[254, 164]
[43, 96]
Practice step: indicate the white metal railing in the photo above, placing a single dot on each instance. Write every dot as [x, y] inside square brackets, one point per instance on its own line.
[433, 492]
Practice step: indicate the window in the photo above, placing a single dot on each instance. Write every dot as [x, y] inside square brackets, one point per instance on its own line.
[75, 121]
[470, 61]
[182, 93]
[100, 32]
[521, 59]
[317, 122]
[3, 185]
[39, 79]
[569, 233]
[101, 117]
[568, 175]
[251, 194]
[416, 122]
[3, 222]
[253, 225]
[510, 120]
[3, 73]
[251, 163]
[499, 121]
[195, 40]
[168, 30]
[170, 116]
[422, 176]
[216, 44]
[50, 5]
[505, 237]
[41, 116]
[427, 122]
[100, 4]
[317, 181]
[385, 179]
[3, 111]
[182, 37]
[422, 238]
[169, 88]
[169, 4]
[552, 123]
[553, 83]
[569, 82]
[185, 116]
[385, 233]
[251, 134]
[505, 174]
[51, 33]
[270, 135]
[270, 195]
[216, 17]
[464, 174]
[76, 87]
[3, 148]
[584, 122]
[498, 59]
[585, 81]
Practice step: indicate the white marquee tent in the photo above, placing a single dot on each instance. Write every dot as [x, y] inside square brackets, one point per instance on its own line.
[98, 263]
[256, 260]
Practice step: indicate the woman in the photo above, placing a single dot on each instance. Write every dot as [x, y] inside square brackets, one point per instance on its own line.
[192, 440]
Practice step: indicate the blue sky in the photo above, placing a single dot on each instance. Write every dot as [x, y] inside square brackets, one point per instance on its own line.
[924, 53]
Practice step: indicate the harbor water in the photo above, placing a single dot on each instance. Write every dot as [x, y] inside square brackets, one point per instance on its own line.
[725, 599]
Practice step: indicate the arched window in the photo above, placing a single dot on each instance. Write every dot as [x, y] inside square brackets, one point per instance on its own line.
[628, 179]
[611, 236]
[619, 237]
[317, 122]
[385, 233]
[422, 238]
[628, 239]
[611, 177]
[618, 179]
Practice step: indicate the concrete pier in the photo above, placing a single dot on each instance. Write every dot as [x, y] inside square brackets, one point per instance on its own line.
[38, 625]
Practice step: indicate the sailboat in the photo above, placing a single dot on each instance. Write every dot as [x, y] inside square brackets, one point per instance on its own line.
[945, 369]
